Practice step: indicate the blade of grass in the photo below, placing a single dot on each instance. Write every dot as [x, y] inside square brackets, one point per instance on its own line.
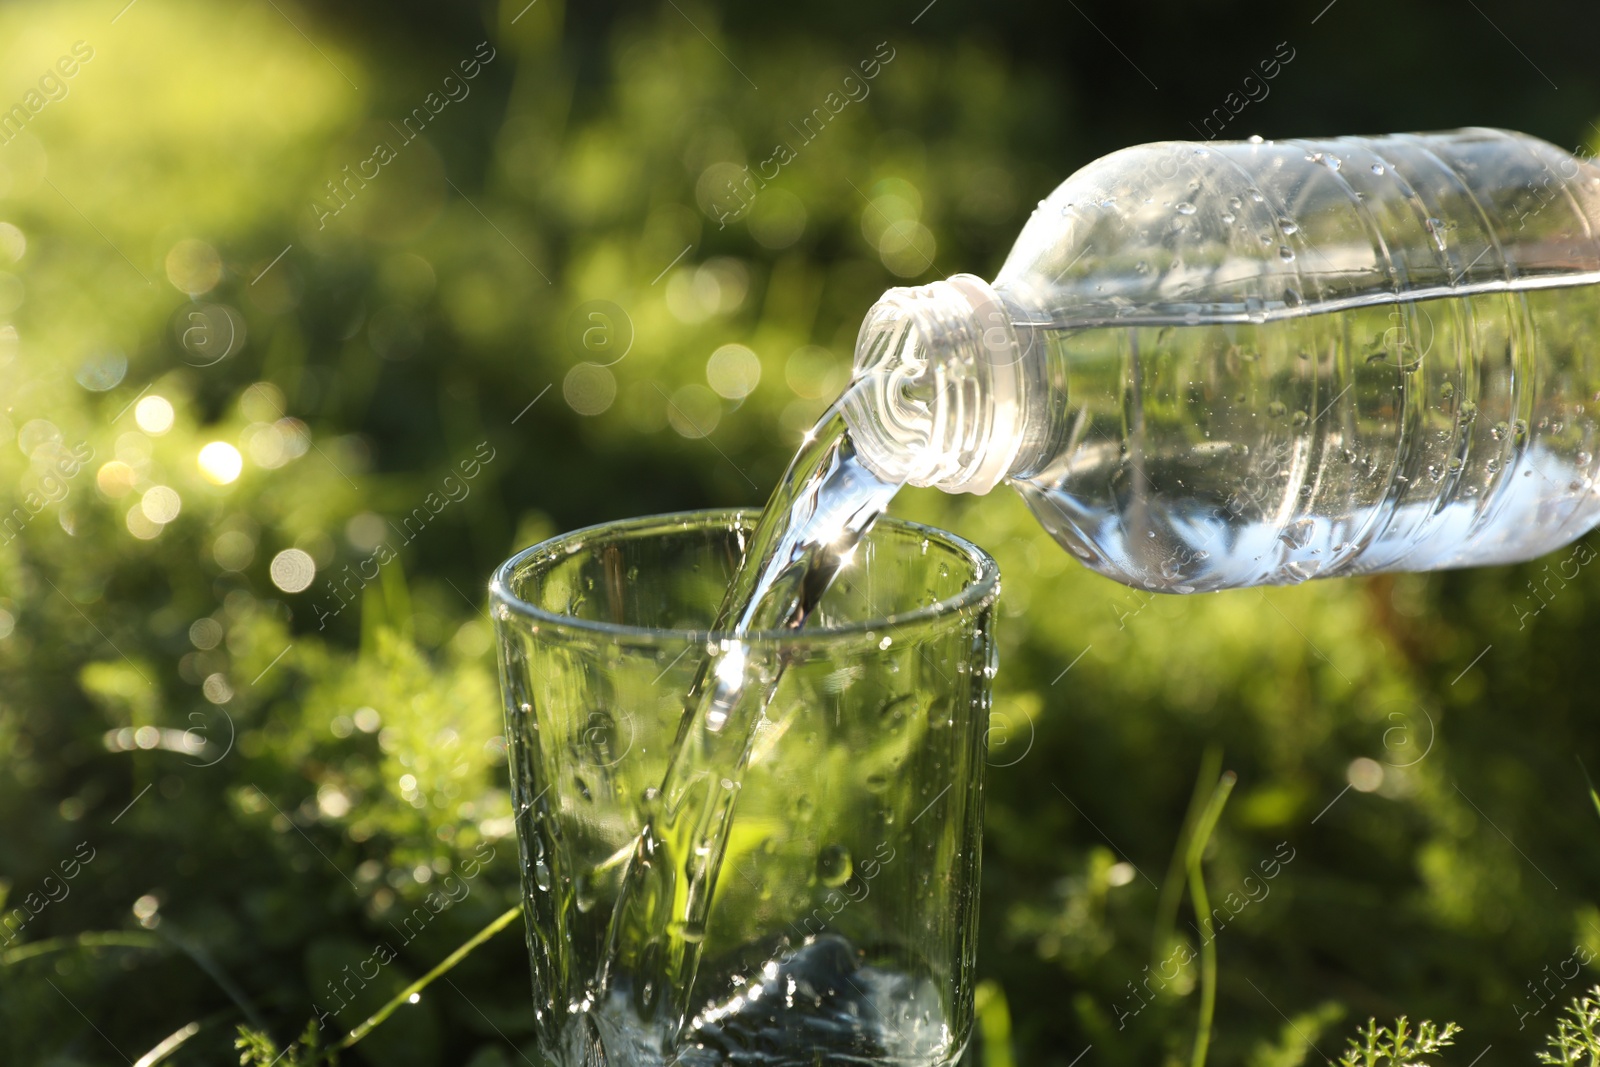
[426, 980]
[1172, 885]
[1202, 907]
[93, 939]
[1594, 798]
[168, 1046]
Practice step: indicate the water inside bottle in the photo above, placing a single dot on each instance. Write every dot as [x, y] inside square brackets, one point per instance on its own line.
[1221, 454]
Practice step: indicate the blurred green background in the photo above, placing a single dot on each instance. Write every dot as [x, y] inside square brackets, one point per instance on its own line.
[246, 357]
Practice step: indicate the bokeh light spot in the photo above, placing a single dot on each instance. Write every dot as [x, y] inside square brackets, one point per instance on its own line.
[694, 411]
[194, 267]
[115, 479]
[293, 570]
[907, 248]
[233, 550]
[102, 371]
[589, 388]
[220, 462]
[1364, 775]
[161, 504]
[12, 242]
[733, 372]
[153, 414]
[140, 525]
[205, 633]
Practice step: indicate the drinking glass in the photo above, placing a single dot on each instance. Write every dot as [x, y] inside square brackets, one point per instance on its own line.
[842, 922]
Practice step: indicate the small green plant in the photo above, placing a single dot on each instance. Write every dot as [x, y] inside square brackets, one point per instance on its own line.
[1576, 1040]
[256, 1049]
[1399, 1045]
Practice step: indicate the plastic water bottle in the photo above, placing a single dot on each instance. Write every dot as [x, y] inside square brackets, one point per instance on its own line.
[1217, 365]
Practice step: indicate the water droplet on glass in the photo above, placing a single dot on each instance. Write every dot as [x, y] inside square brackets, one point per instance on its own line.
[834, 866]
[1377, 168]
[1277, 409]
[1184, 208]
[1300, 418]
[1447, 390]
[1288, 226]
[1298, 533]
[1229, 217]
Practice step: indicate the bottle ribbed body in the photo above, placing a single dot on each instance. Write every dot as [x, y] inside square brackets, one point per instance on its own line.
[1258, 362]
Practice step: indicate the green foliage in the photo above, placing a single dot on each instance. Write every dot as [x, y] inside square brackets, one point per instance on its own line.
[1399, 1045]
[256, 1049]
[1577, 1036]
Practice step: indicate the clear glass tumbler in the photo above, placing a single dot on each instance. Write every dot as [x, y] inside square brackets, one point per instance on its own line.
[842, 925]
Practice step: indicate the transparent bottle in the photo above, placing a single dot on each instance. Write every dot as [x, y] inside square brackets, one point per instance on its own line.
[1216, 365]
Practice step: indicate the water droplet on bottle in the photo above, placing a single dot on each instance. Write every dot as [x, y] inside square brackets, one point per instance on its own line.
[1584, 459]
[1377, 168]
[1303, 569]
[1300, 418]
[1435, 472]
[1436, 228]
[1492, 466]
[1298, 533]
[1447, 390]
[1468, 411]
[1170, 569]
[1184, 208]
[1285, 253]
[1249, 355]
[1277, 409]
[1229, 217]
[1520, 429]
[1454, 466]
[833, 866]
[1499, 432]
[1288, 226]
[1255, 138]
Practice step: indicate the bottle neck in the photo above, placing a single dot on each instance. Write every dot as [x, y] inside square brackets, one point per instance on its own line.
[941, 391]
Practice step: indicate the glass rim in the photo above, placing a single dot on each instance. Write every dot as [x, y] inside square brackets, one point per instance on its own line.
[981, 591]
